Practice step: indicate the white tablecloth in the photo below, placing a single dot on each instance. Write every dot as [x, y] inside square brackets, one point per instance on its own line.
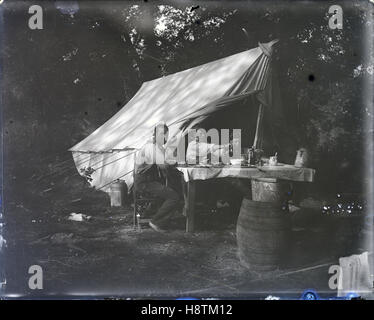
[284, 172]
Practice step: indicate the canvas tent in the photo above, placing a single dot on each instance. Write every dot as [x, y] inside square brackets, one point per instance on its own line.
[181, 100]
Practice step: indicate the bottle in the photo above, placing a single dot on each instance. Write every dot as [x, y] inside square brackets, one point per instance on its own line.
[251, 156]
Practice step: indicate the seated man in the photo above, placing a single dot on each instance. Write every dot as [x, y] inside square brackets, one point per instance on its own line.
[151, 172]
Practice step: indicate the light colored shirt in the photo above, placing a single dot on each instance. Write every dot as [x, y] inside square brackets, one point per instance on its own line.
[151, 153]
[148, 156]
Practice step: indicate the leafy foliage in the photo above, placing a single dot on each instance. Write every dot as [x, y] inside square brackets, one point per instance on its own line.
[87, 63]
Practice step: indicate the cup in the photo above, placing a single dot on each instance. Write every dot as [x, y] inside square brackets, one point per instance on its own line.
[273, 161]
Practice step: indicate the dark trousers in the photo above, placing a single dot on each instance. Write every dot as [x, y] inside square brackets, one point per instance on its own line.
[168, 196]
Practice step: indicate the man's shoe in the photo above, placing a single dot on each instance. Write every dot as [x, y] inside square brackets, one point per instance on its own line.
[156, 228]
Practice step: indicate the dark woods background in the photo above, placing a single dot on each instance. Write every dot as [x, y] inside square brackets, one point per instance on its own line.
[62, 82]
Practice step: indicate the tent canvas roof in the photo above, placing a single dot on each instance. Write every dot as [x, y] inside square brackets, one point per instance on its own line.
[169, 99]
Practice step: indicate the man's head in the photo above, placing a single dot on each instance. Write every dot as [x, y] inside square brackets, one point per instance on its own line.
[201, 135]
[161, 133]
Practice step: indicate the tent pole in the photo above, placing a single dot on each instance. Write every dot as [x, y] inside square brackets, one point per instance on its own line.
[257, 143]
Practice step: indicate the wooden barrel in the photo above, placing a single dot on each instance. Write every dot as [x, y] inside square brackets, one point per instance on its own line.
[263, 234]
[269, 190]
[117, 192]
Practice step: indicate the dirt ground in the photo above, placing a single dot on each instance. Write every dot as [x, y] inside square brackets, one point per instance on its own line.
[105, 256]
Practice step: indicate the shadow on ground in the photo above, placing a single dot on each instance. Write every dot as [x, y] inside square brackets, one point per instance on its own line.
[106, 256]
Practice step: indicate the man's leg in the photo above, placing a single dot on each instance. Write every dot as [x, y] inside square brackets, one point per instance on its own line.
[152, 208]
[170, 204]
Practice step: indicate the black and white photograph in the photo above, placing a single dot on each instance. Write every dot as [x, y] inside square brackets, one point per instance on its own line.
[173, 149]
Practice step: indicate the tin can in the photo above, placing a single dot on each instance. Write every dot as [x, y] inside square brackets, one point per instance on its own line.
[302, 158]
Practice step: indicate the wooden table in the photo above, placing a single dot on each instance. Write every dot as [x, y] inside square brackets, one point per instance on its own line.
[193, 174]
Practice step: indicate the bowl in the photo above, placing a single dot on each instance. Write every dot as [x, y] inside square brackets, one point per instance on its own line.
[236, 162]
